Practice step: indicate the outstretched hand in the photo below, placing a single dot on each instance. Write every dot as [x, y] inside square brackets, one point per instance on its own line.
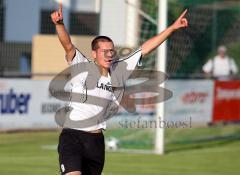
[181, 22]
[57, 17]
[154, 42]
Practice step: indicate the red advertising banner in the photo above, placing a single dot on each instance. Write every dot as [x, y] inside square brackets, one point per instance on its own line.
[226, 101]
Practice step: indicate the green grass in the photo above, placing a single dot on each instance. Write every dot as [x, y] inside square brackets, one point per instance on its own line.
[203, 151]
[176, 138]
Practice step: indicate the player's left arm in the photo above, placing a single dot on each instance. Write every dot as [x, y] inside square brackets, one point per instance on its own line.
[157, 40]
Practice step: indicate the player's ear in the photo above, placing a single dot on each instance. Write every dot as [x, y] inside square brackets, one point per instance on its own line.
[94, 54]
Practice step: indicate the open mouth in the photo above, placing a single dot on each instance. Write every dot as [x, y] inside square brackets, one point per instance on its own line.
[108, 61]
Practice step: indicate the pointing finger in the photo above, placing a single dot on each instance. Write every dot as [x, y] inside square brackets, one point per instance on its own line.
[60, 7]
[183, 14]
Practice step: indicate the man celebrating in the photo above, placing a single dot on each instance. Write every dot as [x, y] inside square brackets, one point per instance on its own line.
[81, 150]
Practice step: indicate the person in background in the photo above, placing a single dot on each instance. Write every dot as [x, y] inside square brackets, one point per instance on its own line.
[221, 66]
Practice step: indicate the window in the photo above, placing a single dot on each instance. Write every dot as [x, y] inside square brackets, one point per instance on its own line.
[84, 23]
[25, 63]
[47, 26]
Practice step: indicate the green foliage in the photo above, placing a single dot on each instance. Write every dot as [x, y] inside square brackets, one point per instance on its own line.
[211, 23]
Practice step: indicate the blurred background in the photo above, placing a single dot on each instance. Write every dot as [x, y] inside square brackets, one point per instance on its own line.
[201, 120]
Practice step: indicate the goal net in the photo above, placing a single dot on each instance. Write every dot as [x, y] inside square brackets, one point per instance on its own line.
[212, 23]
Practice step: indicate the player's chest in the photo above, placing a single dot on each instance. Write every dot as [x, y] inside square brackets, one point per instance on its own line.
[101, 87]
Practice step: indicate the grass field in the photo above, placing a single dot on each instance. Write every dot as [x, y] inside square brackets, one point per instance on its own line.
[203, 151]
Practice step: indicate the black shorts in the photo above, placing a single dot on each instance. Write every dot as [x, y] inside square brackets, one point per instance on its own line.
[81, 151]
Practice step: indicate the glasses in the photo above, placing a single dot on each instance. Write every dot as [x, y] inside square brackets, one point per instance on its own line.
[112, 51]
[109, 52]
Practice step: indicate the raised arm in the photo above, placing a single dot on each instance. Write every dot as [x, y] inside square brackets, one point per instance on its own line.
[157, 40]
[57, 19]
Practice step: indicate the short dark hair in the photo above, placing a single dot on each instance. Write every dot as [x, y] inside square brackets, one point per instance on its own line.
[100, 39]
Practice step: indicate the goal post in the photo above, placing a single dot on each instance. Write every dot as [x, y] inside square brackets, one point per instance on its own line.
[156, 23]
[161, 66]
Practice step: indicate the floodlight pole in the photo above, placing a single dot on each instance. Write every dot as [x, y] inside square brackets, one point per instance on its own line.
[132, 22]
[98, 6]
[161, 66]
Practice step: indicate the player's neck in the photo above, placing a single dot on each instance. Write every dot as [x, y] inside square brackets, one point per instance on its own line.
[104, 71]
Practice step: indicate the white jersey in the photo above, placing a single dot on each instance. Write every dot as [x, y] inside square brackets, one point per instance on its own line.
[220, 67]
[103, 89]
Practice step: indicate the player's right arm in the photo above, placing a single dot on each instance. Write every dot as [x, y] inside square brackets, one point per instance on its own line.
[57, 19]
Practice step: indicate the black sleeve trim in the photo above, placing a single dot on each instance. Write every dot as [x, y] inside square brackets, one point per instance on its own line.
[81, 54]
[127, 57]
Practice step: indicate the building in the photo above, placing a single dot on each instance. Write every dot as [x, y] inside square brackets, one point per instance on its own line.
[21, 20]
